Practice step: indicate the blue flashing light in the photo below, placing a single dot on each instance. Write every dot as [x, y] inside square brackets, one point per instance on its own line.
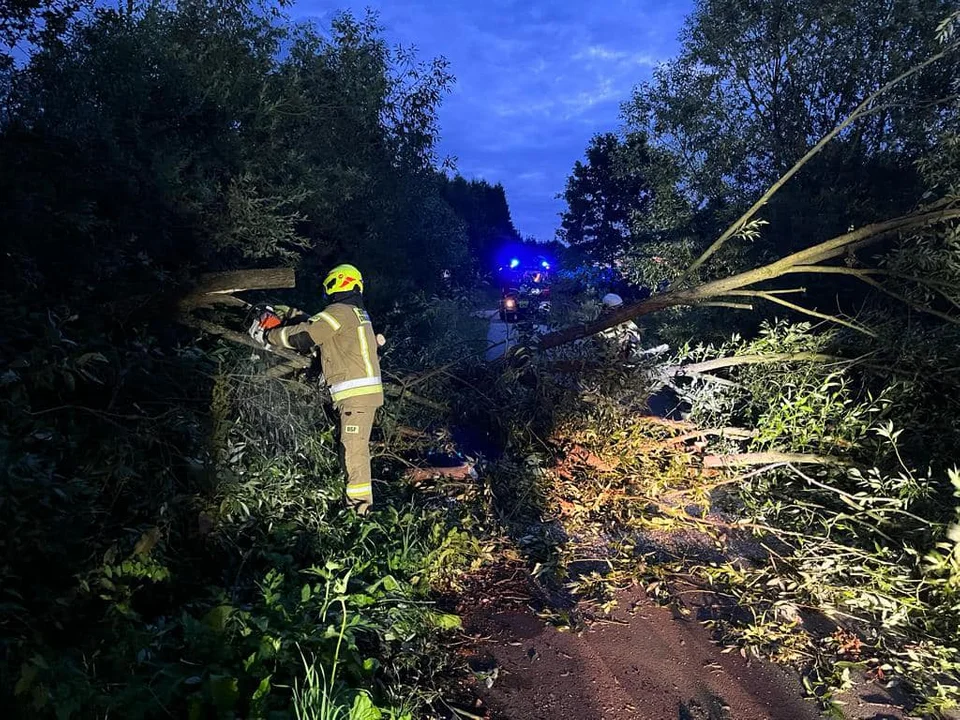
[514, 262]
[546, 265]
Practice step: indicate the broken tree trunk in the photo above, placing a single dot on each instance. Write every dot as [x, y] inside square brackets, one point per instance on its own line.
[218, 288]
[835, 247]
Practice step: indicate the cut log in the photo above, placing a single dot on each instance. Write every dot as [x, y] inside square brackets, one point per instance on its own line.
[458, 472]
[217, 288]
[240, 280]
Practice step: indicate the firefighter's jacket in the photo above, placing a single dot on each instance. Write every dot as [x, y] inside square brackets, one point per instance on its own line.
[348, 350]
[624, 334]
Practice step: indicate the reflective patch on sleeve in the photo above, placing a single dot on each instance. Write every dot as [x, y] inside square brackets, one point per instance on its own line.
[327, 318]
[352, 429]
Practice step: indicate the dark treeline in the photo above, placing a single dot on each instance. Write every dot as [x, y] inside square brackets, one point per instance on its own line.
[140, 145]
[484, 209]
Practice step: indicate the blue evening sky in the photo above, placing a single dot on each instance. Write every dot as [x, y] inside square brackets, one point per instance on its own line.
[535, 80]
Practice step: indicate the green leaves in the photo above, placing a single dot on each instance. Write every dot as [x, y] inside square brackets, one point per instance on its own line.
[224, 692]
[218, 617]
[364, 709]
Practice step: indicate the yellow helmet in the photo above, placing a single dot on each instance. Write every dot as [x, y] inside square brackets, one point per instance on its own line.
[343, 278]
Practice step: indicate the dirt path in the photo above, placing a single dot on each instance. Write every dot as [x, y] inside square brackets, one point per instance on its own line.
[645, 662]
[643, 665]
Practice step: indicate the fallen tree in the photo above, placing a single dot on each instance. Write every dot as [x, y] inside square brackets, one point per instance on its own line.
[811, 260]
[804, 261]
[218, 288]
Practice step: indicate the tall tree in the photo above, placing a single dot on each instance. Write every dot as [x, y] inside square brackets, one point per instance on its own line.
[485, 213]
[605, 194]
[33, 21]
[758, 82]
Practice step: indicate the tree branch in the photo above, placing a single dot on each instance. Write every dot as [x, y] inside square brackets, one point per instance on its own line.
[291, 357]
[770, 358]
[758, 293]
[860, 110]
[766, 458]
[864, 276]
[827, 250]
[724, 304]
[814, 313]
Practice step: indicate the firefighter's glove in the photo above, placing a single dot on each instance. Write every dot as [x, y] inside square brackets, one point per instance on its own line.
[315, 371]
[267, 320]
[289, 315]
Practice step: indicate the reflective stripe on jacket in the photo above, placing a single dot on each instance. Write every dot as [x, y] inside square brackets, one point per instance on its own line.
[348, 350]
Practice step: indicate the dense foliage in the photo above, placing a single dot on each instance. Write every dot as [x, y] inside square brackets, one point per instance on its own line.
[173, 542]
[839, 438]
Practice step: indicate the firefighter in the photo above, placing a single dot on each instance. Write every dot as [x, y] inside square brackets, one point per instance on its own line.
[627, 334]
[344, 336]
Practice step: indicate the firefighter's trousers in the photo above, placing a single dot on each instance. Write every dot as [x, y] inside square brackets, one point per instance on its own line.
[356, 422]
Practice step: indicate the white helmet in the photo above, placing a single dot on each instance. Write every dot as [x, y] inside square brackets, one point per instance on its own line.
[612, 300]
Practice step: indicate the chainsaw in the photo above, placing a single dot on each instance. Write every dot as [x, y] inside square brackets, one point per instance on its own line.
[270, 317]
[265, 320]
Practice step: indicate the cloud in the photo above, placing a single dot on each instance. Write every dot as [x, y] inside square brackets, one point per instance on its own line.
[535, 176]
[595, 53]
[535, 80]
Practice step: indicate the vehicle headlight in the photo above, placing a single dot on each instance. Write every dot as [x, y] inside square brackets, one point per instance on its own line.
[509, 303]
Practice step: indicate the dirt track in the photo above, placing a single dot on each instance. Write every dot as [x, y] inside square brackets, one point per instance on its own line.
[644, 665]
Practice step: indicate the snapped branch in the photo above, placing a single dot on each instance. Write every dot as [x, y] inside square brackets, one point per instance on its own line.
[861, 109]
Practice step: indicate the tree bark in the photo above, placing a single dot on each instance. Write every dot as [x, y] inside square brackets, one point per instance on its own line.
[767, 458]
[216, 288]
[240, 280]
